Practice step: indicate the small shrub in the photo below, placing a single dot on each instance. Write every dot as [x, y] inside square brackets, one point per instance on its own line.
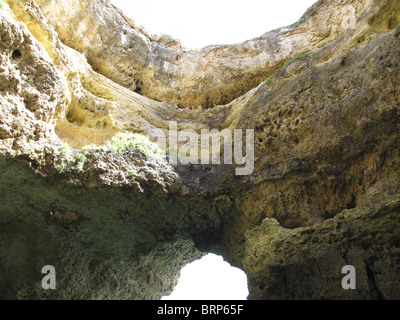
[65, 150]
[65, 156]
[62, 165]
[93, 150]
[80, 160]
[80, 166]
[284, 31]
[81, 157]
[301, 56]
[127, 140]
[90, 147]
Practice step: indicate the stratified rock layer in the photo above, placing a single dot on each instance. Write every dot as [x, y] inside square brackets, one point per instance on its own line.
[322, 96]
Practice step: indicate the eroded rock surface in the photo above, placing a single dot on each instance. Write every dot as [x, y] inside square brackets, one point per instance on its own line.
[322, 96]
[212, 76]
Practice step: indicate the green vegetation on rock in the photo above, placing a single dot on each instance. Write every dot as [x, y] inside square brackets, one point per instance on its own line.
[124, 141]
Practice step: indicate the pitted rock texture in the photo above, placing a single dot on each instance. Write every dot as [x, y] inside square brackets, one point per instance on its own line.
[322, 96]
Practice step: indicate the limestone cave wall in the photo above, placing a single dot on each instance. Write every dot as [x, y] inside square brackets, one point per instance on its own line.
[322, 96]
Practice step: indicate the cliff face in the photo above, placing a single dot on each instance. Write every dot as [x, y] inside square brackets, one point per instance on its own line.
[212, 76]
[322, 96]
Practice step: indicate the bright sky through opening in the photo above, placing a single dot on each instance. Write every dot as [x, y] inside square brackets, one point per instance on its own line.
[198, 23]
[210, 278]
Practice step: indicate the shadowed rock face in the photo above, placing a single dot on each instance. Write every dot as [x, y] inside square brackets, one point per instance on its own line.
[322, 97]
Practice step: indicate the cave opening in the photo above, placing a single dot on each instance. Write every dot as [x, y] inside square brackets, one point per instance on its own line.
[198, 24]
[210, 278]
